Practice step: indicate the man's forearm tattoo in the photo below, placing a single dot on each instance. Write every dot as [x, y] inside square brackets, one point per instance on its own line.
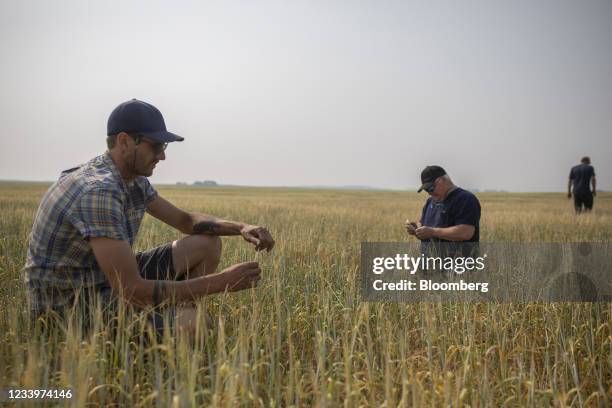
[159, 292]
[206, 227]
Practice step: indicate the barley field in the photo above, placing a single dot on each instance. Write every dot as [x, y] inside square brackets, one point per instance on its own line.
[303, 337]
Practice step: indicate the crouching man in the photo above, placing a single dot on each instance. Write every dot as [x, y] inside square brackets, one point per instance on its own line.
[85, 227]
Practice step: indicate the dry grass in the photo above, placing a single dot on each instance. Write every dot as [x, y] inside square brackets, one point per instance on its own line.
[303, 337]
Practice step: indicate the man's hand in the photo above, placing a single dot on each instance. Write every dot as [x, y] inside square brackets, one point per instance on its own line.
[411, 227]
[424, 233]
[569, 195]
[238, 277]
[258, 236]
[594, 193]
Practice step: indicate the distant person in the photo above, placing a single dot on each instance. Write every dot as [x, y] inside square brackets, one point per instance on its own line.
[582, 176]
[450, 214]
[85, 228]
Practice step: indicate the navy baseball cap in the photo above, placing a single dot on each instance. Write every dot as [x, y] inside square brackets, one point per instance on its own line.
[429, 175]
[141, 118]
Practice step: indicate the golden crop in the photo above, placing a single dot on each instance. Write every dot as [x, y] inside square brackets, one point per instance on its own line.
[303, 337]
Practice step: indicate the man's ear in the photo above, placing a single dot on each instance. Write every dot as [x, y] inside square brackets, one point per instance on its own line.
[123, 140]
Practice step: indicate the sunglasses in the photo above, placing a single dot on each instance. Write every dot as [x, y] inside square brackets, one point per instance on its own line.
[432, 187]
[158, 147]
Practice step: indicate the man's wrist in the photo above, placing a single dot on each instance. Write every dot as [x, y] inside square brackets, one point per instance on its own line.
[435, 232]
[209, 285]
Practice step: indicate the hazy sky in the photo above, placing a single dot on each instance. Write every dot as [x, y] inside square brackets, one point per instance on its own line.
[503, 94]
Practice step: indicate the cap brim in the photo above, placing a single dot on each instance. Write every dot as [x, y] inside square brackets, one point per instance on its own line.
[163, 136]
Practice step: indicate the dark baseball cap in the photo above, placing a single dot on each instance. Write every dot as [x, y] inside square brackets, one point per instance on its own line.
[429, 175]
[141, 118]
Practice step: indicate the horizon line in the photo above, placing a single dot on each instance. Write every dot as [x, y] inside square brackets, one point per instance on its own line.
[315, 187]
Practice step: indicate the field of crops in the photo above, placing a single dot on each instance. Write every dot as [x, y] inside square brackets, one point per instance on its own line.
[303, 337]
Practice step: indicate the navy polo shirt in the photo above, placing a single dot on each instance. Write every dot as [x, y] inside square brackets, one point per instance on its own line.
[459, 207]
[581, 176]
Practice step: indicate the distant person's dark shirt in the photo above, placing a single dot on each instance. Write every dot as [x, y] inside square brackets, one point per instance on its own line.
[459, 207]
[581, 176]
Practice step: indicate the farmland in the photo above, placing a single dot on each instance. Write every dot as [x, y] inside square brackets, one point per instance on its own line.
[303, 337]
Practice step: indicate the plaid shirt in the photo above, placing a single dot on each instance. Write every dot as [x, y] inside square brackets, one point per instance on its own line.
[91, 200]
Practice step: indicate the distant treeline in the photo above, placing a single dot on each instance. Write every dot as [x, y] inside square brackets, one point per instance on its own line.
[205, 183]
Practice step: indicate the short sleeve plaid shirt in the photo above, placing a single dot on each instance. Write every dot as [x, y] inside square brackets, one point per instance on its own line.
[91, 200]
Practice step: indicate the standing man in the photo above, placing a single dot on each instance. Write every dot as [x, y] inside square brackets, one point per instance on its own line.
[450, 214]
[582, 176]
[84, 230]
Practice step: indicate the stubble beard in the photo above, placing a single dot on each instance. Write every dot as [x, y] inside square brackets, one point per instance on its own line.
[150, 168]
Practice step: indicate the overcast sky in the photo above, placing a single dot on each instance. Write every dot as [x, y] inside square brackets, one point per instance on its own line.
[503, 94]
